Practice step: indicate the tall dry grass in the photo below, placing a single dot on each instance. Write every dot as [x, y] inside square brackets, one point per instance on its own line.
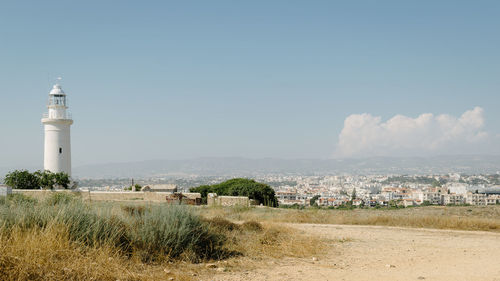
[259, 240]
[159, 232]
[63, 238]
[50, 254]
[485, 218]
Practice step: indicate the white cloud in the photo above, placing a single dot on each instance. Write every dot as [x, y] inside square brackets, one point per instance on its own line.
[366, 135]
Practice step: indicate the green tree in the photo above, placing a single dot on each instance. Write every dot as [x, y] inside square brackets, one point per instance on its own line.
[436, 183]
[22, 179]
[135, 187]
[260, 192]
[313, 200]
[426, 203]
[353, 195]
[49, 180]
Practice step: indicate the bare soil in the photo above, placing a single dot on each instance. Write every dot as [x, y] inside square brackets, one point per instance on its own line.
[384, 253]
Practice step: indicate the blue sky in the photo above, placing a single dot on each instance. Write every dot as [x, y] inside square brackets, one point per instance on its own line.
[183, 79]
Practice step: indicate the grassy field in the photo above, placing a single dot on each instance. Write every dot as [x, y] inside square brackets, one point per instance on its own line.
[63, 238]
[486, 218]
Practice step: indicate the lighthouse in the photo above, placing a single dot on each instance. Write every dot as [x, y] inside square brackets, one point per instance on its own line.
[57, 122]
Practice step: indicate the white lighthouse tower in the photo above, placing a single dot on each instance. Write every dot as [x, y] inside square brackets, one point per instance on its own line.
[57, 122]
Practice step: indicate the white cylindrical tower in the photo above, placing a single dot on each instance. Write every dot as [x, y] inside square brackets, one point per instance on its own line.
[57, 122]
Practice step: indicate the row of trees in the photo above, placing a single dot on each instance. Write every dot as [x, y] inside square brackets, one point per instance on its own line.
[260, 192]
[23, 179]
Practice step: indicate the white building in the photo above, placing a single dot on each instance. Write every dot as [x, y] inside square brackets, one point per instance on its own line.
[458, 188]
[476, 199]
[433, 198]
[57, 122]
[453, 199]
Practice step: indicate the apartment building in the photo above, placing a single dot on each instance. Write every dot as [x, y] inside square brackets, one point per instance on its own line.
[476, 199]
[455, 199]
[433, 198]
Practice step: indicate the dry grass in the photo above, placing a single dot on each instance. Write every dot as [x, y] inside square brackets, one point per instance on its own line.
[253, 236]
[35, 245]
[257, 240]
[263, 243]
[486, 218]
[49, 254]
[260, 241]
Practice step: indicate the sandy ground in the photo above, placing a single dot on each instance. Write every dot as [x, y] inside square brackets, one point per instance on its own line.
[387, 253]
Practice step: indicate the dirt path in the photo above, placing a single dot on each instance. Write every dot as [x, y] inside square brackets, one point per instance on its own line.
[388, 253]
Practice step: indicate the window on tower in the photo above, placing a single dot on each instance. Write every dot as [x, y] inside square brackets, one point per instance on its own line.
[60, 150]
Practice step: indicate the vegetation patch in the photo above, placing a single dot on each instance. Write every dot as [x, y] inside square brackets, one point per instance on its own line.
[60, 198]
[252, 226]
[134, 210]
[166, 232]
[65, 238]
[222, 224]
[157, 232]
[486, 218]
[260, 192]
[23, 179]
[18, 199]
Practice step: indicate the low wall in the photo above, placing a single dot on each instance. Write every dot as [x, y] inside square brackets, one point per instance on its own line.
[125, 196]
[112, 195]
[102, 195]
[42, 194]
[228, 201]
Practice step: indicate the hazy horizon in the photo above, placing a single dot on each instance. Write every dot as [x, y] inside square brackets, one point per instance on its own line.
[251, 167]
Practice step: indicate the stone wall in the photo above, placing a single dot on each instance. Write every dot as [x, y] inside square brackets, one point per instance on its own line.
[112, 195]
[214, 200]
[42, 194]
[106, 195]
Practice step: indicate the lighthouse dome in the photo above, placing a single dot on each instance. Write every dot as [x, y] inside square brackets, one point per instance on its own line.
[57, 90]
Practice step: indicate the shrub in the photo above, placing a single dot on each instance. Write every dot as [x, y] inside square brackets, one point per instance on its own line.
[252, 226]
[175, 231]
[22, 179]
[260, 192]
[270, 237]
[222, 224]
[49, 180]
[134, 210]
[426, 203]
[19, 198]
[85, 225]
[135, 187]
[154, 233]
[21, 211]
[313, 200]
[293, 206]
[91, 227]
[59, 198]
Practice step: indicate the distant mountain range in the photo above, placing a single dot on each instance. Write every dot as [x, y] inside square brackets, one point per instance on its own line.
[235, 166]
[468, 164]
